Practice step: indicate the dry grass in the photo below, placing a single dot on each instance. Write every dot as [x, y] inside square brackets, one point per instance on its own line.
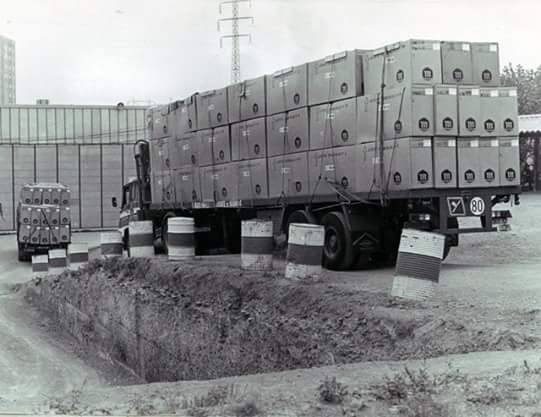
[331, 391]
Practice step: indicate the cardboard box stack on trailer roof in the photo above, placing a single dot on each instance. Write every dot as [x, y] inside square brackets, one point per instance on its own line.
[441, 122]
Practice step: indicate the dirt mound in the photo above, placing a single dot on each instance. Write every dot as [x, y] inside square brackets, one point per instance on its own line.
[171, 321]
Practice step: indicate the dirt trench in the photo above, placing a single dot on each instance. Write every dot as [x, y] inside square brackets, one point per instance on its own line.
[171, 321]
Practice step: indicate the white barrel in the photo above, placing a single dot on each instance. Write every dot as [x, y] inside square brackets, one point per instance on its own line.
[111, 244]
[40, 265]
[77, 255]
[141, 239]
[256, 245]
[304, 251]
[180, 238]
[418, 265]
[58, 261]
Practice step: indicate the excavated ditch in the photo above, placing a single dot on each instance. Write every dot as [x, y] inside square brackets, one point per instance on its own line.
[184, 321]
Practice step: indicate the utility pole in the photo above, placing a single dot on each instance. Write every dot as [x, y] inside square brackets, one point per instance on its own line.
[235, 34]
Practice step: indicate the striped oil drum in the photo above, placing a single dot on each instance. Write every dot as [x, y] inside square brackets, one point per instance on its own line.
[40, 265]
[58, 261]
[256, 245]
[418, 264]
[111, 244]
[304, 251]
[180, 238]
[78, 255]
[141, 239]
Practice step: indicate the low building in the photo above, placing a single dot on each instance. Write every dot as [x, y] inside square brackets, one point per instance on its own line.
[71, 124]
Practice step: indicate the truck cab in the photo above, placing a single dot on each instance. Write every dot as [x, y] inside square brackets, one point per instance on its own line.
[130, 209]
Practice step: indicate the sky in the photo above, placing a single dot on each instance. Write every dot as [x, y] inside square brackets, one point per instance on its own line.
[141, 51]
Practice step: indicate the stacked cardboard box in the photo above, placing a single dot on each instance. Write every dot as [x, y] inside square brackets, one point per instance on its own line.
[43, 214]
[412, 115]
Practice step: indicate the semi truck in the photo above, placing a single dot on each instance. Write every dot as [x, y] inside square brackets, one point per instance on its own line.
[43, 219]
[416, 134]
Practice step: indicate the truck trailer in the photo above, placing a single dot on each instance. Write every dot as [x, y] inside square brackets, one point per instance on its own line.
[415, 134]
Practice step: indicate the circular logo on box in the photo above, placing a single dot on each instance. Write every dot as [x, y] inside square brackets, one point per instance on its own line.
[397, 178]
[446, 176]
[298, 186]
[221, 155]
[297, 98]
[469, 176]
[422, 177]
[344, 88]
[490, 175]
[400, 76]
[219, 117]
[458, 75]
[193, 159]
[255, 108]
[167, 162]
[165, 129]
[510, 174]
[490, 126]
[345, 182]
[194, 195]
[190, 123]
[508, 125]
[448, 123]
[486, 76]
[398, 126]
[471, 124]
[428, 74]
[258, 189]
[298, 142]
[424, 124]
[344, 135]
[224, 192]
[257, 149]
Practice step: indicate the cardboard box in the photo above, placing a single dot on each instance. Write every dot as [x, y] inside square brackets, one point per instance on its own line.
[445, 162]
[333, 170]
[445, 110]
[249, 140]
[478, 162]
[335, 77]
[288, 132]
[252, 179]
[212, 109]
[469, 111]
[509, 170]
[288, 176]
[486, 64]
[247, 100]
[287, 89]
[405, 63]
[499, 112]
[333, 124]
[220, 183]
[187, 185]
[456, 59]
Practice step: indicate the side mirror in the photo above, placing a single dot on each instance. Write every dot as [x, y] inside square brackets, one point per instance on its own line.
[113, 202]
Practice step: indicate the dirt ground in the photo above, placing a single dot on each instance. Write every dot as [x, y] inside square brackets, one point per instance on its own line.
[487, 302]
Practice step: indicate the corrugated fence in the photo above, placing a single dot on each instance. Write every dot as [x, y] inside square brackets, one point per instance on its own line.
[94, 173]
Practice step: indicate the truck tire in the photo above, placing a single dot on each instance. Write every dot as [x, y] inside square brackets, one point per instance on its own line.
[338, 251]
[298, 216]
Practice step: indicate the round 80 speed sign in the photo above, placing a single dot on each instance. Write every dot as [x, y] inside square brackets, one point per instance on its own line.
[477, 206]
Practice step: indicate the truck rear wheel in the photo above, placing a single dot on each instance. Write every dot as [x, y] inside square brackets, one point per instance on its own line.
[338, 251]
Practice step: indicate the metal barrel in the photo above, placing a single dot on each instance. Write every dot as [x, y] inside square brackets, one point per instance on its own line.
[304, 251]
[180, 238]
[418, 265]
[58, 261]
[141, 239]
[78, 255]
[256, 245]
[111, 244]
[40, 265]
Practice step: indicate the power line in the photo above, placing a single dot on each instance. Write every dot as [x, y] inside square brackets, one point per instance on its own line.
[235, 34]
